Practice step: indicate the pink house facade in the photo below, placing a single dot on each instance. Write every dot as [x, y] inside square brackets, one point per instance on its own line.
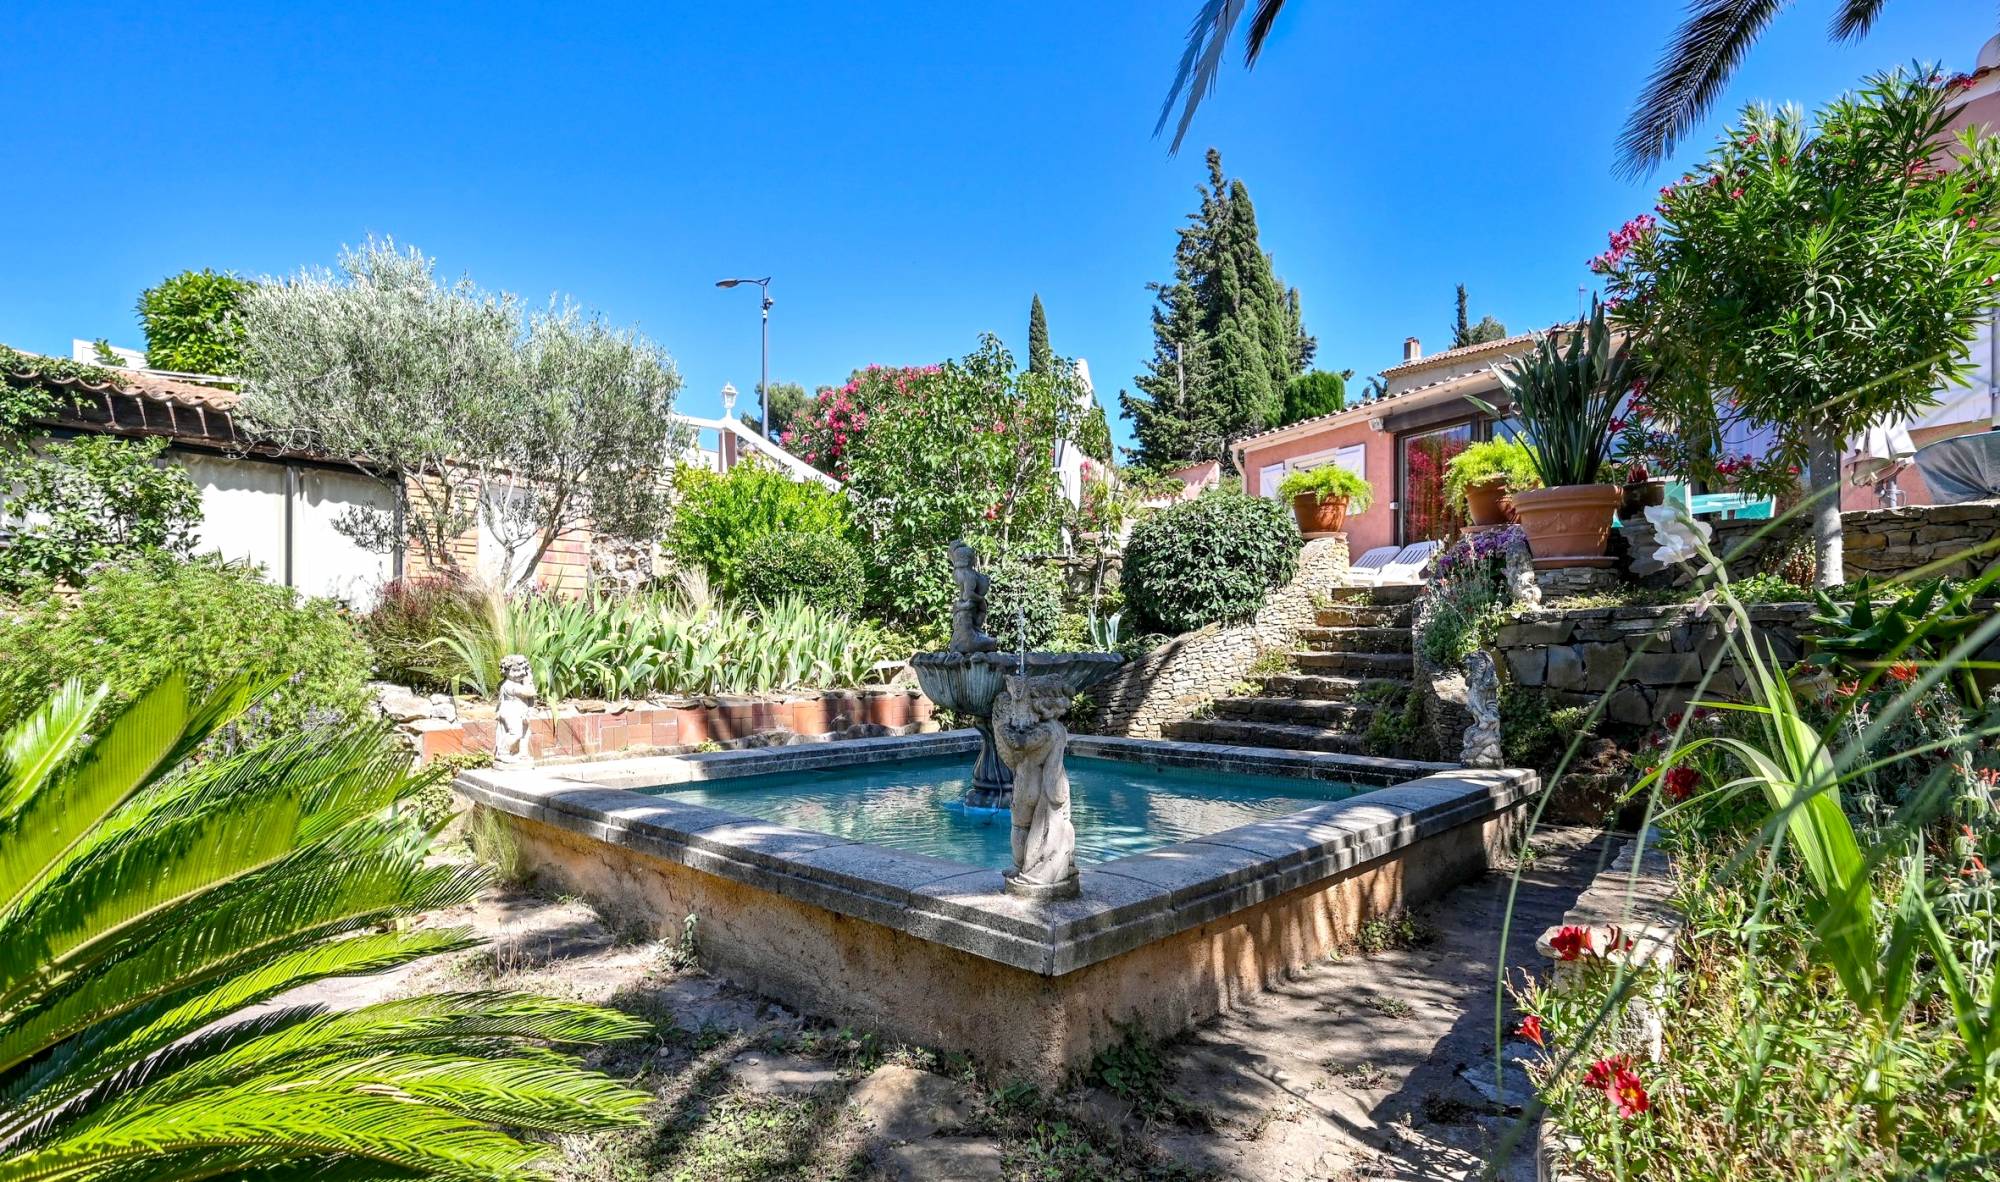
[1399, 442]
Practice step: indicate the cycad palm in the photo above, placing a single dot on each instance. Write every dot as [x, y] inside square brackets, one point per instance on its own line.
[148, 898]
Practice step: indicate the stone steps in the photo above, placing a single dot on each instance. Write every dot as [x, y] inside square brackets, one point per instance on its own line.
[1355, 640]
[1358, 615]
[1390, 595]
[1288, 736]
[1354, 664]
[1321, 687]
[1305, 711]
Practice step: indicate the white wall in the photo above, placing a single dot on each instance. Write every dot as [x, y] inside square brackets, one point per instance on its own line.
[243, 519]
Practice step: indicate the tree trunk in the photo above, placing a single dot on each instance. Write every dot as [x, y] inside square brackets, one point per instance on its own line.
[1823, 464]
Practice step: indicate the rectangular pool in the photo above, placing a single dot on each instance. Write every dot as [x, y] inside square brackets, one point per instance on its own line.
[1120, 807]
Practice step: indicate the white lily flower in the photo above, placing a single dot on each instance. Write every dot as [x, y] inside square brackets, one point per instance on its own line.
[1680, 536]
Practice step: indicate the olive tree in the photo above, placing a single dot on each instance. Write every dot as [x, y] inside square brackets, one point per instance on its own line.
[1815, 278]
[476, 411]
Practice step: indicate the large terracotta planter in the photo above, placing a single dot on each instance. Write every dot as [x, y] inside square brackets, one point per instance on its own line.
[1486, 503]
[1569, 525]
[1319, 518]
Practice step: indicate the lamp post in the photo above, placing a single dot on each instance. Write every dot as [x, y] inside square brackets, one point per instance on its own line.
[763, 390]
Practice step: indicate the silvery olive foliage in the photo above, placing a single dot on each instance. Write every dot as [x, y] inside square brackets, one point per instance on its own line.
[533, 424]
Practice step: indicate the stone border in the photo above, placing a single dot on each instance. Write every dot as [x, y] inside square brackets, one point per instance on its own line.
[1126, 903]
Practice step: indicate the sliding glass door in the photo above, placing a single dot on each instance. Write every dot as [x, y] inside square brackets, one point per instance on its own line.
[1425, 515]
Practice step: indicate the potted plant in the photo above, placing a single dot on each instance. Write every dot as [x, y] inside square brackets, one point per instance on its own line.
[1322, 498]
[1566, 393]
[1481, 476]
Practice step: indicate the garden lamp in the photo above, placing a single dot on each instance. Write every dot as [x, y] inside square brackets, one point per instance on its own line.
[764, 390]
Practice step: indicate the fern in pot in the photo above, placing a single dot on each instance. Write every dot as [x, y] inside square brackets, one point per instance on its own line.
[1566, 394]
[1481, 477]
[1322, 498]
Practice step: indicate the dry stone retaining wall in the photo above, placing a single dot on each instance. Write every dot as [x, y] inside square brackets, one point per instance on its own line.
[1194, 668]
[1879, 542]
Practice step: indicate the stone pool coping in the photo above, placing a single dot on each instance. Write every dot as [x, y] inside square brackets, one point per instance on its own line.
[1126, 903]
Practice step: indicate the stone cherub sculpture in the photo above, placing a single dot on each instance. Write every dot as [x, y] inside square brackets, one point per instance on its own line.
[968, 610]
[517, 700]
[1482, 701]
[1029, 732]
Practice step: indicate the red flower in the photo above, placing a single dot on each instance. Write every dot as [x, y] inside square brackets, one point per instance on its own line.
[1735, 194]
[1628, 1092]
[1602, 1072]
[1674, 721]
[1571, 942]
[1905, 671]
[1682, 781]
[1531, 1029]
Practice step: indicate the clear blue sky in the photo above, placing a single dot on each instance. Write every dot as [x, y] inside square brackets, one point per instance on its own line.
[910, 172]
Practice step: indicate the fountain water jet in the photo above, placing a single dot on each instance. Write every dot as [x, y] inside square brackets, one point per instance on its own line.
[970, 674]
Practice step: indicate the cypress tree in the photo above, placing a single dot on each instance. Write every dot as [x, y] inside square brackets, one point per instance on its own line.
[1041, 359]
[1227, 336]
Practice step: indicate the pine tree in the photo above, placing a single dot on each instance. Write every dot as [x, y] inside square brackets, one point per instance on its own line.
[1041, 359]
[1227, 336]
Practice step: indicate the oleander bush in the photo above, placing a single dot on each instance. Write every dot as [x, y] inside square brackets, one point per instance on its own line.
[823, 569]
[1210, 560]
[211, 619]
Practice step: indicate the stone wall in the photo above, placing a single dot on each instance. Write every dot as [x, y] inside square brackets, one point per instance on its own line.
[1195, 668]
[1879, 542]
[1645, 662]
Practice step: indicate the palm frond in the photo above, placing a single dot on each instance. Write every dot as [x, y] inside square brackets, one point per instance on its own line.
[1208, 35]
[1691, 75]
[1855, 18]
[150, 902]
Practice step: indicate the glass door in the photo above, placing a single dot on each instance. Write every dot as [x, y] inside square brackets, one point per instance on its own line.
[1425, 514]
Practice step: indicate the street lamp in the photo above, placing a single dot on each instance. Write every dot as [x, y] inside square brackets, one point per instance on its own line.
[764, 390]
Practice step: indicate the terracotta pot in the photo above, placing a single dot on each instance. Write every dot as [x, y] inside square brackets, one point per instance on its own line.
[1638, 497]
[1319, 518]
[1486, 502]
[1570, 525]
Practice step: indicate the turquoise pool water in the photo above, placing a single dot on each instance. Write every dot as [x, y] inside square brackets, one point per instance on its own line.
[1119, 808]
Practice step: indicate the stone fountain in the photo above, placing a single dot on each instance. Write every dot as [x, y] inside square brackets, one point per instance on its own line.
[969, 675]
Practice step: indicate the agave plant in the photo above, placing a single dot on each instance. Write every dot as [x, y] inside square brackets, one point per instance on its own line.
[150, 898]
[1566, 394]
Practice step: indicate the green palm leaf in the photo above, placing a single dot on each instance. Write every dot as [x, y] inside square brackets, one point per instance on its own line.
[151, 897]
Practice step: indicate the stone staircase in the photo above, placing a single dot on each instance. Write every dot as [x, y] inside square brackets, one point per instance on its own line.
[1354, 660]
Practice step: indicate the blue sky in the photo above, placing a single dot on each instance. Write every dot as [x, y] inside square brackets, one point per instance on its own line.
[910, 173]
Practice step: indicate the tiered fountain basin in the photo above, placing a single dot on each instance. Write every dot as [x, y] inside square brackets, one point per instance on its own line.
[849, 881]
[968, 683]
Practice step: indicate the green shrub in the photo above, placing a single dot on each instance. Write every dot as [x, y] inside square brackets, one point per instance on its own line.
[821, 568]
[194, 322]
[402, 630]
[1534, 735]
[1032, 589]
[212, 619]
[1330, 482]
[717, 518]
[1210, 560]
[89, 501]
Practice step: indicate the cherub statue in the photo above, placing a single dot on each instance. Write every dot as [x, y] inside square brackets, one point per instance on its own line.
[1520, 568]
[1029, 732]
[517, 700]
[1482, 700]
[968, 611]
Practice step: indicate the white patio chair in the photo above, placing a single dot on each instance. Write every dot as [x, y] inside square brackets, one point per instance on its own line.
[1408, 565]
[1366, 571]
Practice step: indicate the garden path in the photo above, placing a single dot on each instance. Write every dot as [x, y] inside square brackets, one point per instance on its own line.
[1350, 1071]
